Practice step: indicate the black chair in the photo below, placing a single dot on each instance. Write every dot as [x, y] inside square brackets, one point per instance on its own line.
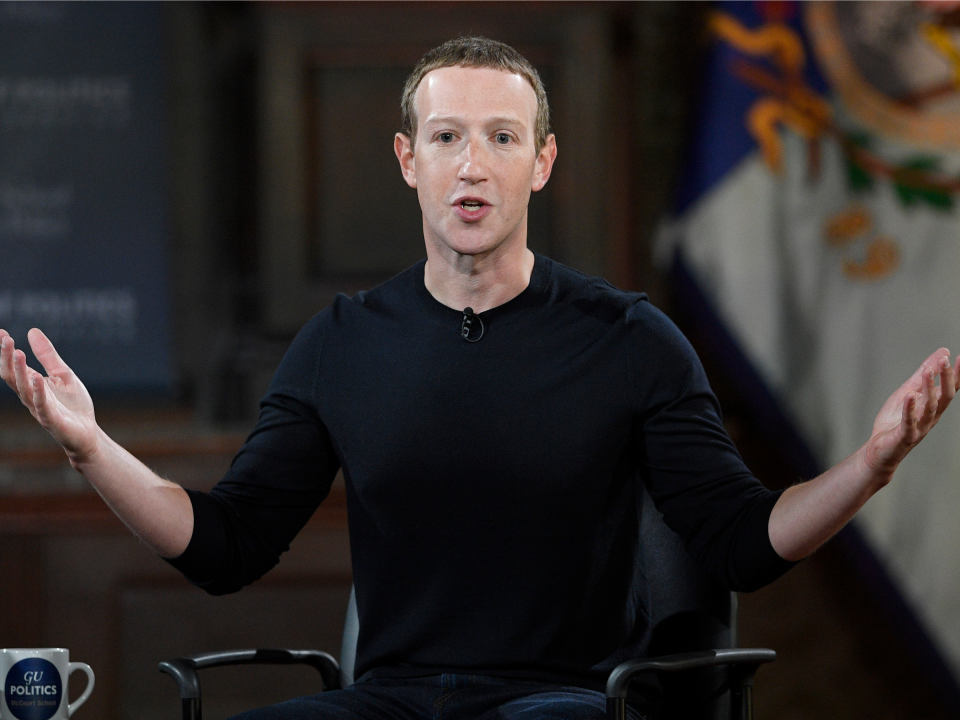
[693, 647]
[692, 651]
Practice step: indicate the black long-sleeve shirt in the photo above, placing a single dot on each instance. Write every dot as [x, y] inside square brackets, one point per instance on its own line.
[491, 486]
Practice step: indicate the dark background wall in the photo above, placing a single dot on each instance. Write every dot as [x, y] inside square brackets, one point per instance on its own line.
[279, 123]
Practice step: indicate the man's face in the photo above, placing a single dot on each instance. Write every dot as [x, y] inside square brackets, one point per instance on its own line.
[475, 161]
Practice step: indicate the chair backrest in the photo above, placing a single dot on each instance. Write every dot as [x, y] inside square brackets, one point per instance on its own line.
[689, 612]
[679, 588]
[348, 646]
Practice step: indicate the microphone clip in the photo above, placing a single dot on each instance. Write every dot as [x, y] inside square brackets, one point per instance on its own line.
[467, 328]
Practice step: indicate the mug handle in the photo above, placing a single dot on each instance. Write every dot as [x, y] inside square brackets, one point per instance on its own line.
[72, 707]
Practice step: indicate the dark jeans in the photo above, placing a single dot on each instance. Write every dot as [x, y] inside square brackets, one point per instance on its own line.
[443, 697]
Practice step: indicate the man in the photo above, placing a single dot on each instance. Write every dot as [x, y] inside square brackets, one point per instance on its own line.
[492, 412]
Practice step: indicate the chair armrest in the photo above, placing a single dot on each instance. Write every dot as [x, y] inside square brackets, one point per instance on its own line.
[184, 669]
[746, 659]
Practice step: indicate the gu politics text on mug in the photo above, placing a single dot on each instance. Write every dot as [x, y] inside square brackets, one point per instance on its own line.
[35, 684]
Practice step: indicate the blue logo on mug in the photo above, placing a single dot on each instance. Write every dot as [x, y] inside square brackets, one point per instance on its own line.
[33, 689]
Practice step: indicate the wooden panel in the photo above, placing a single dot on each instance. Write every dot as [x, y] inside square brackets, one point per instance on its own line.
[22, 565]
[365, 219]
[304, 196]
[583, 132]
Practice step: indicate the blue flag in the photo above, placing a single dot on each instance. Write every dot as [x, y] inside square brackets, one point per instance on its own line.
[819, 216]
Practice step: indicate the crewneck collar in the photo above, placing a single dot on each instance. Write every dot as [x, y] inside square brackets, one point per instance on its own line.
[533, 294]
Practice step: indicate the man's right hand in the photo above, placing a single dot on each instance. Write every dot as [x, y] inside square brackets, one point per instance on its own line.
[59, 401]
[158, 511]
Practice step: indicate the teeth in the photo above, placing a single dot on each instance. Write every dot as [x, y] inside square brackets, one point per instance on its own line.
[468, 205]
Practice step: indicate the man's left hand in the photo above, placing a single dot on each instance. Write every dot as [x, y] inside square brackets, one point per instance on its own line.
[909, 414]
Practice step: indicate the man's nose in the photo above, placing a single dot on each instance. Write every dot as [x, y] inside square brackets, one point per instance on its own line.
[473, 162]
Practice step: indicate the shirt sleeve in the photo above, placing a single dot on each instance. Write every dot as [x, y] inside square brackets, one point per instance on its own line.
[278, 478]
[690, 465]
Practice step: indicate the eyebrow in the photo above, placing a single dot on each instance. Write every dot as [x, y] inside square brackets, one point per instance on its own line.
[490, 121]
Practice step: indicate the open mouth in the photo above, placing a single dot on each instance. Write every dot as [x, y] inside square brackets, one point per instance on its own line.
[472, 209]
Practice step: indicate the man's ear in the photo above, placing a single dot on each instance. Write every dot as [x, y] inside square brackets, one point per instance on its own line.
[544, 166]
[404, 150]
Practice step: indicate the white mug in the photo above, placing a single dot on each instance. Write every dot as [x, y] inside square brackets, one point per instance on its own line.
[35, 684]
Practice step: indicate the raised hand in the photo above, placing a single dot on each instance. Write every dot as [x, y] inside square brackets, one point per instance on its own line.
[808, 514]
[911, 411]
[157, 510]
[59, 401]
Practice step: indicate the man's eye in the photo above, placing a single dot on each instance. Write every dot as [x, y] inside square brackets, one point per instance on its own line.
[503, 138]
[446, 137]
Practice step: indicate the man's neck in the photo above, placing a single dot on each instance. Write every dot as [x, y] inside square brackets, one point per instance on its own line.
[480, 282]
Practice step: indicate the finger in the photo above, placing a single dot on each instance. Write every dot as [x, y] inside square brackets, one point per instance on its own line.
[914, 383]
[7, 347]
[956, 375]
[928, 407]
[931, 362]
[908, 421]
[948, 388]
[46, 353]
[41, 404]
[39, 396]
[936, 355]
[22, 374]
